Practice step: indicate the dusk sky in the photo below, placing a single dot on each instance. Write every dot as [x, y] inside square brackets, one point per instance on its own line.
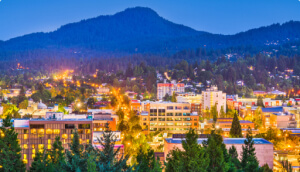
[19, 17]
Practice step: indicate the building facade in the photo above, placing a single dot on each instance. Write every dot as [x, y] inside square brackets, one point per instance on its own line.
[168, 88]
[212, 97]
[168, 116]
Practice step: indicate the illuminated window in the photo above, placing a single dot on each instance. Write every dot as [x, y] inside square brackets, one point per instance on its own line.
[64, 136]
[72, 135]
[80, 141]
[48, 131]
[25, 146]
[49, 141]
[87, 141]
[49, 146]
[41, 146]
[33, 131]
[41, 131]
[25, 136]
[56, 131]
[33, 146]
[25, 159]
[33, 156]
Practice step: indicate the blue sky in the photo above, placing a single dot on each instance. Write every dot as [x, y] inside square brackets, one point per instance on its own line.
[19, 17]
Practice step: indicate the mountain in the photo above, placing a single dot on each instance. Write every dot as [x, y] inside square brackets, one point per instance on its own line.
[136, 30]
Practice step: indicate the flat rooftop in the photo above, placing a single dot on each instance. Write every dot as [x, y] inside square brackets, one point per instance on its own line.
[273, 109]
[225, 140]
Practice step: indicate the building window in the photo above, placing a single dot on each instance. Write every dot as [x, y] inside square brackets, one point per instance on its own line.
[84, 126]
[69, 126]
[170, 107]
[178, 114]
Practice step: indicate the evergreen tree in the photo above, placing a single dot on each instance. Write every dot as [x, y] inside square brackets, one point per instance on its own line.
[57, 154]
[249, 161]
[214, 113]
[222, 112]
[236, 129]
[234, 157]
[10, 150]
[107, 159]
[192, 158]
[41, 163]
[147, 162]
[173, 99]
[260, 101]
[75, 157]
[91, 163]
[217, 152]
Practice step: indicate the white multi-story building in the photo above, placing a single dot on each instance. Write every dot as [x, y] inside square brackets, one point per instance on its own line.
[168, 88]
[212, 97]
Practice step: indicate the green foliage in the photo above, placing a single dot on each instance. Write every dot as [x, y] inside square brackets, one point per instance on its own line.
[42, 94]
[217, 153]
[260, 101]
[41, 163]
[236, 129]
[10, 110]
[192, 158]
[147, 162]
[106, 158]
[23, 104]
[10, 150]
[62, 109]
[167, 97]
[234, 157]
[222, 112]
[75, 157]
[249, 161]
[57, 154]
[173, 98]
[214, 113]
[91, 102]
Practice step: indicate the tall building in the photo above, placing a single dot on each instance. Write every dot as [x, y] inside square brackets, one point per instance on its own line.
[168, 116]
[168, 88]
[39, 134]
[212, 97]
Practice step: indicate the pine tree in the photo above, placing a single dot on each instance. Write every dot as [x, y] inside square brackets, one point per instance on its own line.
[173, 99]
[147, 162]
[57, 154]
[75, 157]
[222, 112]
[41, 163]
[10, 150]
[216, 150]
[236, 129]
[192, 158]
[214, 113]
[234, 157]
[260, 101]
[91, 163]
[249, 161]
[107, 159]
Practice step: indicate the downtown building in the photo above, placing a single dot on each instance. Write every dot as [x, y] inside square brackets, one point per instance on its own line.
[211, 97]
[38, 135]
[170, 117]
[168, 88]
